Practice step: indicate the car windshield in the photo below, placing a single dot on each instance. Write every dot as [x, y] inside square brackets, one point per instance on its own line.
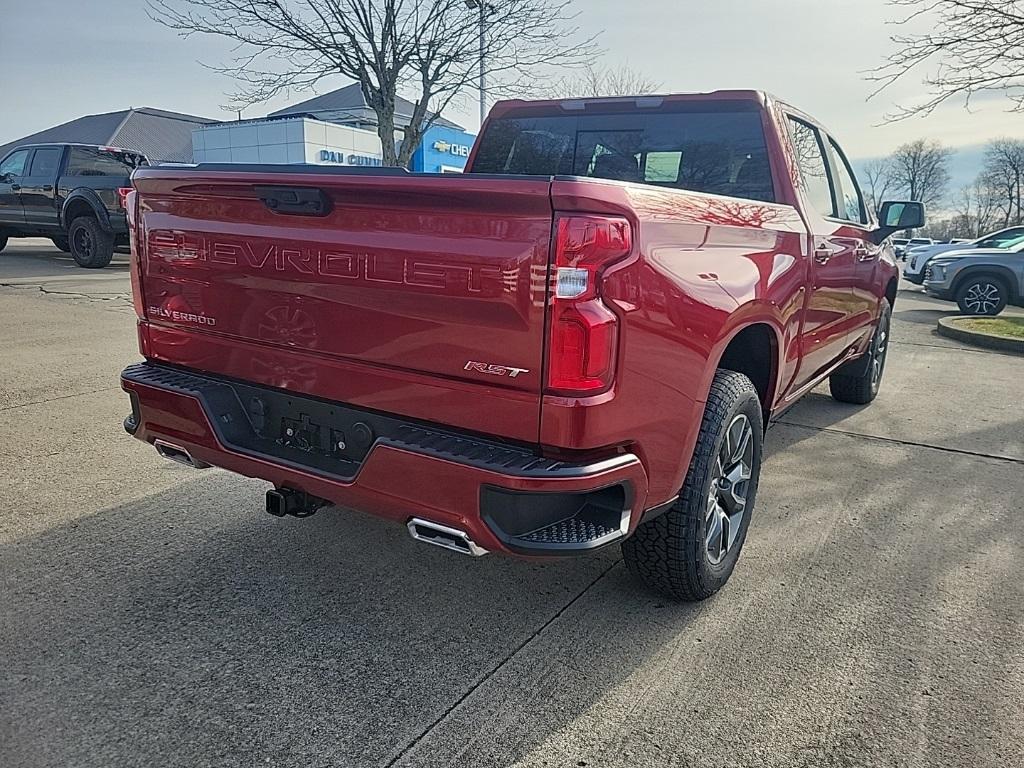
[720, 151]
[1006, 239]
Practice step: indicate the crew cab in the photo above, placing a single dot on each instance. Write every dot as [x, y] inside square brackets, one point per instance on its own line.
[577, 343]
[72, 194]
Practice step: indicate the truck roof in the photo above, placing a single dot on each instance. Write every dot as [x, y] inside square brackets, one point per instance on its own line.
[650, 101]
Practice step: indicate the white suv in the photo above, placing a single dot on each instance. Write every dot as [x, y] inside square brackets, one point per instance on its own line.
[918, 257]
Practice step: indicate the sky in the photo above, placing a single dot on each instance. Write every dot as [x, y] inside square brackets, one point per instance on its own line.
[61, 59]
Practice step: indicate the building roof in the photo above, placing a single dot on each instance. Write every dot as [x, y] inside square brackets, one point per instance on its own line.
[156, 133]
[350, 98]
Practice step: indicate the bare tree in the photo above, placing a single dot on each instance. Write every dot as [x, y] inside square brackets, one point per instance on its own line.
[877, 175]
[595, 81]
[976, 209]
[428, 48]
[920, 170]
[1003, 174]
[971, 47]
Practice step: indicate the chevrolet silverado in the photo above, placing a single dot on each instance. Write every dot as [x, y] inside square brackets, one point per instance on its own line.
[577, 343]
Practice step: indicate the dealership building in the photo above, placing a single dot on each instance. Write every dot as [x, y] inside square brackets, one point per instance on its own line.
[336, 128]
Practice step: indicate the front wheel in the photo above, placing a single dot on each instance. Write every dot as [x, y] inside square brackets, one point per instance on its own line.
[689, 552]
[982, 295]
[862, 384]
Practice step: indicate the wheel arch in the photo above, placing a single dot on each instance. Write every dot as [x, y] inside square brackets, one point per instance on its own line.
[891, 289]
[753, 348]
[83, 202]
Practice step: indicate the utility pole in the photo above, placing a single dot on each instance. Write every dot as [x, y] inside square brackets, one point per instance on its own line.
[485, 9]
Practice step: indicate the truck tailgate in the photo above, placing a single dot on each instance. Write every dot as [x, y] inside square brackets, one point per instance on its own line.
[417, 295]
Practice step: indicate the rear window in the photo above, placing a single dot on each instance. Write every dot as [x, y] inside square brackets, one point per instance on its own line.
[718, 152]
[93, 161]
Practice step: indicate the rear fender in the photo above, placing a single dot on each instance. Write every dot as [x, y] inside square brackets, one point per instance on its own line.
[82, 202]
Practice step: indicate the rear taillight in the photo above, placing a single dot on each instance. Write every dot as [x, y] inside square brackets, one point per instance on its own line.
[584, 331]
[122, 197]
[134, 243]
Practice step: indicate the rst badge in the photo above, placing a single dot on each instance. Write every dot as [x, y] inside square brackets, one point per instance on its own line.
[494, 370]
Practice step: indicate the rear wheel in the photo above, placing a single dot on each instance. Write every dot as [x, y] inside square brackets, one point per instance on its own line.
[982, 295]
[862, 386]
[689, 552]
[91, 246]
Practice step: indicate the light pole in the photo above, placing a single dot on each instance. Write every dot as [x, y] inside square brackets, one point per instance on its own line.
[486, 9]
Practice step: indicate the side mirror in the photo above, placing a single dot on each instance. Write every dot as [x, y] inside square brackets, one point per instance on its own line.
[894, 216]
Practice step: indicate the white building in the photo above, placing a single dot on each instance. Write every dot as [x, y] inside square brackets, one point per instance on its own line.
[336, 128]
[286, 140]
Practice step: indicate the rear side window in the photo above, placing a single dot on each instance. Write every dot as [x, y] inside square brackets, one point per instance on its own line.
[1004, 239]
[719, 152]
[14, 164]
[810, 157]
[93, 161]
[45, 161]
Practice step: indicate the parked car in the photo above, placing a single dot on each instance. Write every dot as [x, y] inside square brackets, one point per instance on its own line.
[577, 343]
[918, 260]
[982, 281]
[899, 246]
[72, 194]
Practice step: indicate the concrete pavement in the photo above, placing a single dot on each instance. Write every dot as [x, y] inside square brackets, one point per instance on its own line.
[154, 615]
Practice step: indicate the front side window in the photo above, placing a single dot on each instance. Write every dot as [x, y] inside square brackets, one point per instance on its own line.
[45, 161]
[852, 208]
[14, 164]
[810, 158]
[720, 152]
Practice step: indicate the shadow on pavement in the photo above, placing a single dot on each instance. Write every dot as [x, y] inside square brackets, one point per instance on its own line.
[185, 629]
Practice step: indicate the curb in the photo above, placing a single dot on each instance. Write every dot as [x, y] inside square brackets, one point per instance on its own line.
[948, 327]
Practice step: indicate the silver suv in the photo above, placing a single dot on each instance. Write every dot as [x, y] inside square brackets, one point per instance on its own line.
[981, 281]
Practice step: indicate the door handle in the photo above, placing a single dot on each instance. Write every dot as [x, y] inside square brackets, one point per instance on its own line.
[47, 187]
[822, 254]
[15, 187]
[863, 253]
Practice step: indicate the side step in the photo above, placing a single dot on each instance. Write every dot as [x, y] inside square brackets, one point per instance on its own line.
[444, 537]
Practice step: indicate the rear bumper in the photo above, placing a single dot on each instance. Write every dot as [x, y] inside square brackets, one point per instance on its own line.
[504, 497]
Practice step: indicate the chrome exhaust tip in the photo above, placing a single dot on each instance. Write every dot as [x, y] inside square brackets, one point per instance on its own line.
[178, 454]
[444, 537]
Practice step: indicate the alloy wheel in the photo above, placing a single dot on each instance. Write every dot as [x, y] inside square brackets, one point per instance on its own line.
[881, 347]
[83, 243]
[728, 492]
[982, 298]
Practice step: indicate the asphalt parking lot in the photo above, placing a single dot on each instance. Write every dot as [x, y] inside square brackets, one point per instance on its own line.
[152, 615]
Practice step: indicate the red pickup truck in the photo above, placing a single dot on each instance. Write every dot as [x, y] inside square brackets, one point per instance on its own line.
[578, 342]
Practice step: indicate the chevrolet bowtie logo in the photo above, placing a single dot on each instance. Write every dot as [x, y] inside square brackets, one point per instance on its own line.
[442, 146]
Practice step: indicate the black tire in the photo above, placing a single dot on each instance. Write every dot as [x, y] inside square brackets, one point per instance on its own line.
[91, 246]
[982, 294]
[3, 242]
[60, 242]
[860, 382]
[670, 553]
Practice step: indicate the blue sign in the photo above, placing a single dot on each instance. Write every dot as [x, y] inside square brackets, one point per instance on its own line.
[443, 150]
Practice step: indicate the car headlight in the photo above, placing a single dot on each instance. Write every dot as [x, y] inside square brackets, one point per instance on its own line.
[938, 271]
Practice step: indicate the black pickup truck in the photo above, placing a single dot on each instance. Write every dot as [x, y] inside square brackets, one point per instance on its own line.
[71, 193]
